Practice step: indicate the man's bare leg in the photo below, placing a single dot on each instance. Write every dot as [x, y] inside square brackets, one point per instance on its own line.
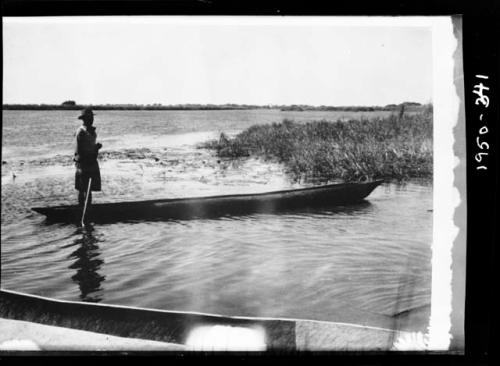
[81, 198]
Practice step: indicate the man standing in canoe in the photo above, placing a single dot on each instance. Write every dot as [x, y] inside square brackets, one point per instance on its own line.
[86, 152]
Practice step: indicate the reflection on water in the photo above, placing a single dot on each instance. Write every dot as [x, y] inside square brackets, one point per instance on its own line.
[318, 211]
[87, 264]
[368, 263]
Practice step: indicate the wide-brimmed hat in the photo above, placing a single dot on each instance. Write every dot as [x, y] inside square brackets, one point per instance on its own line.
[86, 112]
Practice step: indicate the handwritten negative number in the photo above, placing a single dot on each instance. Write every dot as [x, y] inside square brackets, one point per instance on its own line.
[483, 146]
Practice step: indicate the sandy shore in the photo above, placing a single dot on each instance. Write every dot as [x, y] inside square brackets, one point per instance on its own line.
[17, 335]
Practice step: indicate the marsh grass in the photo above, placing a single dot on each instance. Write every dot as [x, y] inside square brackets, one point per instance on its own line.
[392, 148]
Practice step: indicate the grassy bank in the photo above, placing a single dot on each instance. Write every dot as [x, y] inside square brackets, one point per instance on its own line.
[391, 148]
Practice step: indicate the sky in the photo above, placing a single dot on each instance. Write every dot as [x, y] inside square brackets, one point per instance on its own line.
[217, 60]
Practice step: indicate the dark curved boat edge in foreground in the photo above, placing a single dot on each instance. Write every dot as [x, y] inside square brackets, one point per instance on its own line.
[216, 206]
[177, 327]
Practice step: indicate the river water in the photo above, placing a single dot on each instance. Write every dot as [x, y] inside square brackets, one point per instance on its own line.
[364, 264]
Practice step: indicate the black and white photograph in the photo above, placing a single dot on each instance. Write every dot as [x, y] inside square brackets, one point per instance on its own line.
[223, 183]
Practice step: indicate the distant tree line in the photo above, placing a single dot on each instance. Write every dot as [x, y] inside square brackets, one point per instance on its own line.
[408, 106]
[72, 105]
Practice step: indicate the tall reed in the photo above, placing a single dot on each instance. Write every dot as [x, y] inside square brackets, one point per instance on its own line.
[395, 147]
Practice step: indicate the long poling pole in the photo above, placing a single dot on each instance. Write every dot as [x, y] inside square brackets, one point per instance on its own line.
[86, 200]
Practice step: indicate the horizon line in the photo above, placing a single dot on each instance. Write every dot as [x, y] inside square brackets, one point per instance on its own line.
[205, 104]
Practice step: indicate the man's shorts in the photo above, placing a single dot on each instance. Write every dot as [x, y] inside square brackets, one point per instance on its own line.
[86, 171]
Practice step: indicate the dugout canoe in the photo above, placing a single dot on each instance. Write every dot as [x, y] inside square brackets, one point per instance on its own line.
[35, 318]
[216, 206]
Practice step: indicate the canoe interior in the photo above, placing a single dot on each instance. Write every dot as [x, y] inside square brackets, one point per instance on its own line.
[216, 206]
[176, 327]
